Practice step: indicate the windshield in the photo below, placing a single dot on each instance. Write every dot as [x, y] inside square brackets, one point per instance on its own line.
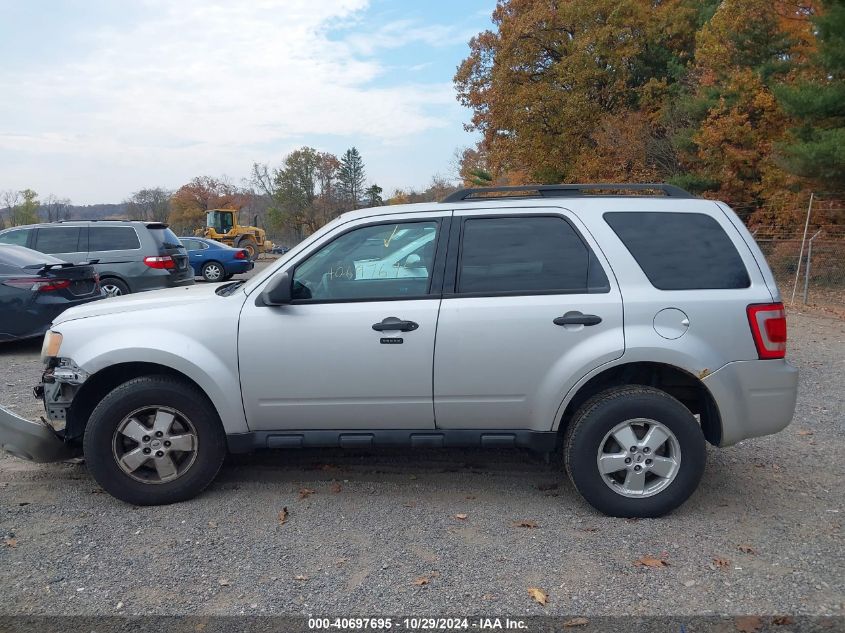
[220, 221]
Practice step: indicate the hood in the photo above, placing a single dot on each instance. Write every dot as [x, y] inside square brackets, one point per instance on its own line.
[153, 299]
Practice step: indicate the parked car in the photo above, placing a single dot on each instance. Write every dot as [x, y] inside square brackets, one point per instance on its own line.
[214, 261]
[132, 256]
[35, 288]
[627, 330]
[279, 250]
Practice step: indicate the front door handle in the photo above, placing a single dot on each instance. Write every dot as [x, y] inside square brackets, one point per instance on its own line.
[578, 319]
[394, 323]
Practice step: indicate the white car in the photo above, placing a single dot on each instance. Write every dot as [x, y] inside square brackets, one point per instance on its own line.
[627, 330]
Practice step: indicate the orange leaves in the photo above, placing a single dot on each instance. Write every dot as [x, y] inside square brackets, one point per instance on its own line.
[538, 595]
[650, 561]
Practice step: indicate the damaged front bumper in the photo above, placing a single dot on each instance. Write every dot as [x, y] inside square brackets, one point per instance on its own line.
[30, 440]
[41, 441]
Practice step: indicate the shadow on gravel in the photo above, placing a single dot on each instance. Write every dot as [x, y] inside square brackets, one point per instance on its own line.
[25, 346]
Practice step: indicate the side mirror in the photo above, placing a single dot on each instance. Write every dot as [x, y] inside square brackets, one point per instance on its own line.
[278, 291]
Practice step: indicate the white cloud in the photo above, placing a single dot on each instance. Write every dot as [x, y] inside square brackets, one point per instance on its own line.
[200, 84]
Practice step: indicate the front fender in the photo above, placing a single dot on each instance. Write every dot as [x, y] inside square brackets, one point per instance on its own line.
[211, 362]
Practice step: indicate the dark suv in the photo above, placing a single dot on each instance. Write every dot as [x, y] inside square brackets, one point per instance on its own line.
[133, 256]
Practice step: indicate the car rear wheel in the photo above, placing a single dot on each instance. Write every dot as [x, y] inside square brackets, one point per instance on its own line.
[114, 287]
[154, 440]
[634, 451]
[212, 271]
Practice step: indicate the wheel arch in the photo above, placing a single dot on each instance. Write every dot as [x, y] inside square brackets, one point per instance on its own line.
[677, 382]
[120, 278]
[95, 388]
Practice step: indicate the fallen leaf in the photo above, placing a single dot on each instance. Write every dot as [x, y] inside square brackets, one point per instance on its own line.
[301, 578]
[538, 595]
[526, 524]
[461, 517]
[722, 563]
[304, 493]
[703, 374]
[212, 524]
[336, 488]
[283, 516]
[650, 561]
[805, 432]
[223, 582]
[782, 620]
[546, 487]
[10, 542]
[422, 580]
[748, 624]
[746, 549]
[576, 622]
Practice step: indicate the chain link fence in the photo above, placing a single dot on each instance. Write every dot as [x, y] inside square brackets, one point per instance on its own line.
[816, 277]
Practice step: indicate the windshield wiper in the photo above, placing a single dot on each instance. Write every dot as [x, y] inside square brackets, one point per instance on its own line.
[226, 289]
[171, 245]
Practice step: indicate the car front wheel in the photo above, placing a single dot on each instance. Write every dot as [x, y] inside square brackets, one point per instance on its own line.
[154, 440]
[634, 451]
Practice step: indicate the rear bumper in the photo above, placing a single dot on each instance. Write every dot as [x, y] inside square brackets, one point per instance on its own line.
[238, 266]
[34, 441]
[755, 397]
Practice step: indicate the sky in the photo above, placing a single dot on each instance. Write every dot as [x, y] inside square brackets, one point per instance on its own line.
[101, 98]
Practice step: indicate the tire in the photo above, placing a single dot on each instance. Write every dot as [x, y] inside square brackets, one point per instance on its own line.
[213, 272]
[675, 465]
[148, 400]
[114, 287]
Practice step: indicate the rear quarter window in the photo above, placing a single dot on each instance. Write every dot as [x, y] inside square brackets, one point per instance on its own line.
[112, 238]
[680, 251]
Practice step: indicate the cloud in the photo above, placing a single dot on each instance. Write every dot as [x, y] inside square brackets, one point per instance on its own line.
[219, 78]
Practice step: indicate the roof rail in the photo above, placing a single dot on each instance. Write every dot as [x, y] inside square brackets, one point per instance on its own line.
[560, 191]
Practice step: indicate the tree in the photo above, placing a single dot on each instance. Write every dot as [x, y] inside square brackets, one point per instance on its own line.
[55, 209]
[373, 196]
[151, 205]
[816, 147]
[351, 177]
[10, 199]
[27, 211]
[190, 202]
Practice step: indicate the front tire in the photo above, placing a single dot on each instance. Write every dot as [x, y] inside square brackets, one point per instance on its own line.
[154, 440]
[213, 272]
[634, 451]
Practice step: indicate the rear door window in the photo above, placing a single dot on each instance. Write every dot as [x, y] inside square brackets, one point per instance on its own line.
[680, 251]
[526, 255]
[112, 238]
[57, 239]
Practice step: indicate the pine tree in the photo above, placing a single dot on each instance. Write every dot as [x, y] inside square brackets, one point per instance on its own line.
[373, 196]
[351, 177]
[817, 150]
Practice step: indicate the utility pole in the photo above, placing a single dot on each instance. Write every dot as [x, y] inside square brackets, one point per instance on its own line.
[801, 254]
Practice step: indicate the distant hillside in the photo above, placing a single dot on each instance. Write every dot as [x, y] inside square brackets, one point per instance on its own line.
[98, 212]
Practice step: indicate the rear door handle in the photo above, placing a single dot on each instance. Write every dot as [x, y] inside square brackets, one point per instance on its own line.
[578, 319]
[394, 323]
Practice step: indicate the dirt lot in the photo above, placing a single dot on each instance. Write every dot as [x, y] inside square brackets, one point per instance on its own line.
[377, 532]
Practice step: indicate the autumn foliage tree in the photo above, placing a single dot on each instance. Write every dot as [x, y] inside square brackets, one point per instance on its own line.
[684, 91]
[190, 202]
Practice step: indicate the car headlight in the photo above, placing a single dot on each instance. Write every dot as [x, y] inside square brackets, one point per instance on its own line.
[50, 348]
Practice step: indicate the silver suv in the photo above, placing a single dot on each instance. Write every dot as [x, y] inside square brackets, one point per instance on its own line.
[623, 331]
[132, 256]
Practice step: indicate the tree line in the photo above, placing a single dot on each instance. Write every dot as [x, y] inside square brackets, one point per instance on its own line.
[741, 100]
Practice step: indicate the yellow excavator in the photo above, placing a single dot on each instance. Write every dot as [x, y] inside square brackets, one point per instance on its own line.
[222, 225]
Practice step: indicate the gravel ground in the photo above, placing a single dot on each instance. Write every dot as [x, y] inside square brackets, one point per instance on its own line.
[377, 532]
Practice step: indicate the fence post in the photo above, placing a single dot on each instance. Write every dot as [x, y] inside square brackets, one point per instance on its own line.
[809, 264]
[801, 253]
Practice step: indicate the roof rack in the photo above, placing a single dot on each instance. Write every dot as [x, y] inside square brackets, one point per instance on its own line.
[560, 191]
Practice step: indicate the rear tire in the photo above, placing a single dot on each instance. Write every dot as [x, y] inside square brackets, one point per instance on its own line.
[154, 440]
[114, 287]
[250, 247]
[658, 467]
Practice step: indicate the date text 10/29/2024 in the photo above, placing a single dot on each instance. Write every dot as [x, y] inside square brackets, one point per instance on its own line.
[417, 624]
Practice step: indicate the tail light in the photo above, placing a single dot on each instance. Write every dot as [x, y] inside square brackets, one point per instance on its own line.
[164, 261]
[37, 284]
[241, 255]
[768, 326]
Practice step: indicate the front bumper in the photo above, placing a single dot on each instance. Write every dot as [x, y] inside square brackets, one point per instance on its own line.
[755, 397]
[34, 441]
